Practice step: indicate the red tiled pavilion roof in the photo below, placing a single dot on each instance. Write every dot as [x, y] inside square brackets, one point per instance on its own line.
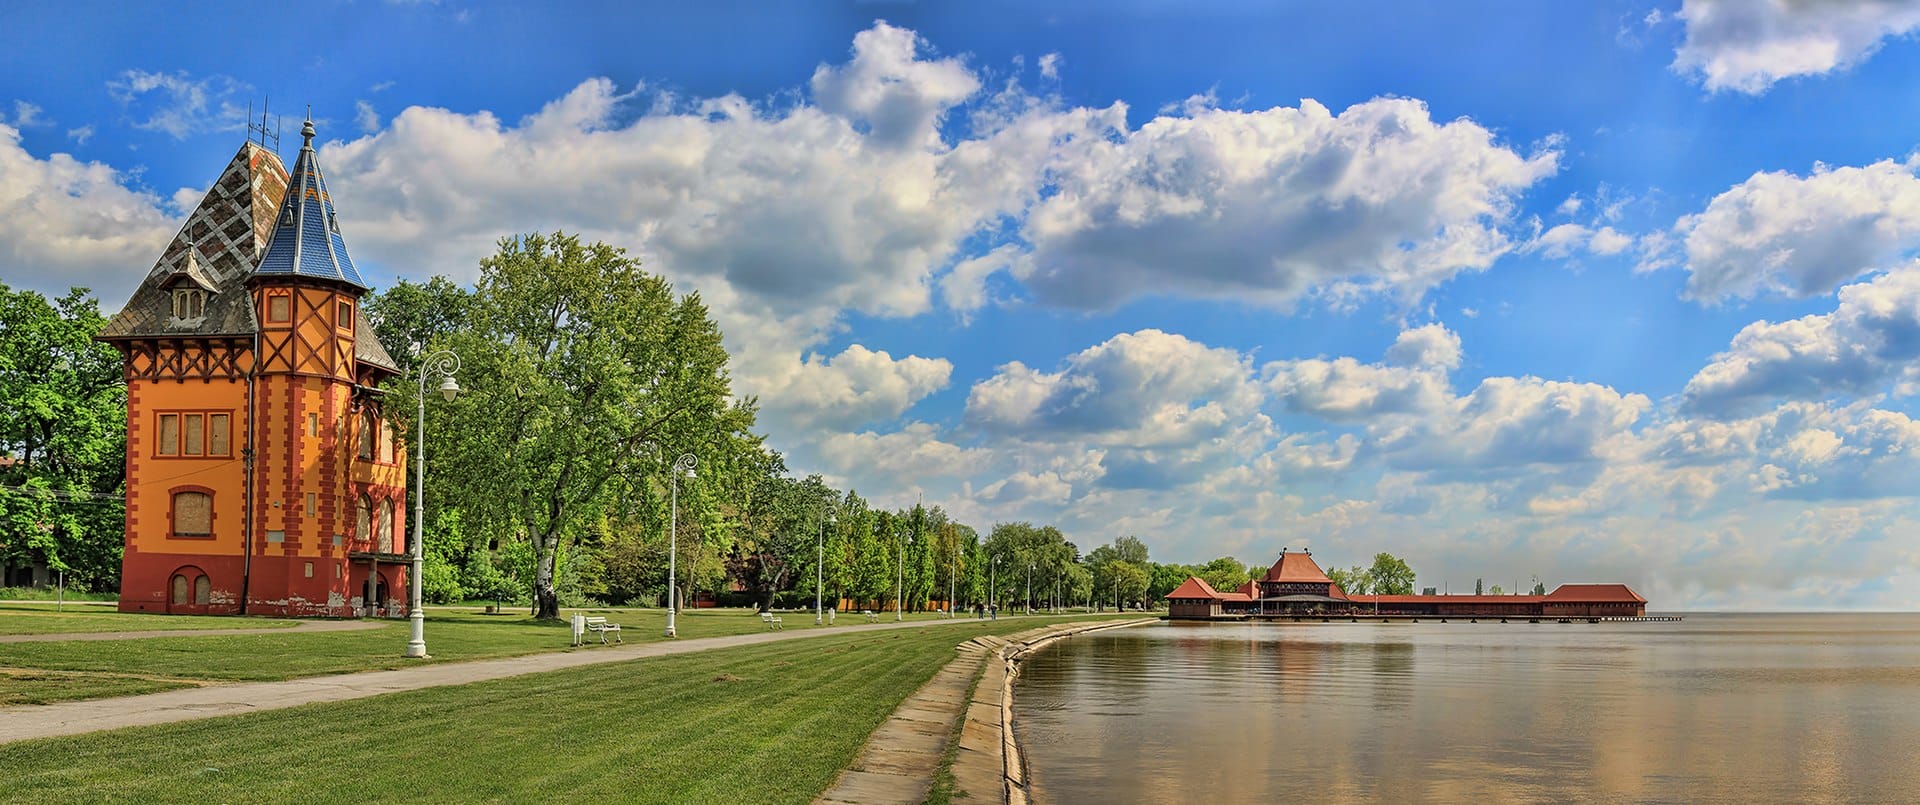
[1296, 567]
[1595, 593]
[1195, 587]
[1446, 599]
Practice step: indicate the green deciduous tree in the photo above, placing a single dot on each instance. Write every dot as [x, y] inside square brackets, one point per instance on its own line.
[1390, 575]
[63, 438]
[574, 358]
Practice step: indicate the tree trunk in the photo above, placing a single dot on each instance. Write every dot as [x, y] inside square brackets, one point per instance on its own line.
[546, 600]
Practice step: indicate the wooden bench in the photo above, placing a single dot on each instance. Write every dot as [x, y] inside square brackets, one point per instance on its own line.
[871, 615]
[772, 621]
[598, 624]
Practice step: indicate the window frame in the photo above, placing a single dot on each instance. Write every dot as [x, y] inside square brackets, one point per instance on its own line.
[173, 512]
[178, 447]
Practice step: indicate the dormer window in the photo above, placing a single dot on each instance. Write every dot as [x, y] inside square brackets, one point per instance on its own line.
[189, 303]
[286, 215]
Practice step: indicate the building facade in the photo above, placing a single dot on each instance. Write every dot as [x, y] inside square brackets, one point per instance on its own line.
[263, 476]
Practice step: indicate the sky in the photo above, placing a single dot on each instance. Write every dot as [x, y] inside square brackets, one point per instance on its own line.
[1605, 291]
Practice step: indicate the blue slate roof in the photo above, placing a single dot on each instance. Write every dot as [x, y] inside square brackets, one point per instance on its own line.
[306, 235]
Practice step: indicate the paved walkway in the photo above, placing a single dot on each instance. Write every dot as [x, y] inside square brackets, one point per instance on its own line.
[26, 722]
[302, 626]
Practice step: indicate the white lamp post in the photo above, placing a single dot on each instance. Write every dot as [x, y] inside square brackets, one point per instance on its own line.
[993, 593]
[953, 568]
[1029, 606]
[900, 582]
[819, 565]
[445, 364]
[682, 465]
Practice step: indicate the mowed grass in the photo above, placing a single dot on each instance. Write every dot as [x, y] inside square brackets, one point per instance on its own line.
[452, 635]
[43, 687]
[41, 618]
[767, 723]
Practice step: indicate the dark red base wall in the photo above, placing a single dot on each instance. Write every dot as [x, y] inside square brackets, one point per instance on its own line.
[279, 586]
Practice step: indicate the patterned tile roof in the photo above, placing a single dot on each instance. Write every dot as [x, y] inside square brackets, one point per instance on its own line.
[306, 235]
[1298, 567]
[227, 233]
[366, 345]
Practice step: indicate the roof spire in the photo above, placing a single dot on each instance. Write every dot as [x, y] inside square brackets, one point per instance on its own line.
[306, 131]
[306, 236]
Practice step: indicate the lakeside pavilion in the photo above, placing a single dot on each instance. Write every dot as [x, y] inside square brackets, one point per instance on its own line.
[1296, 585]
[263, 473]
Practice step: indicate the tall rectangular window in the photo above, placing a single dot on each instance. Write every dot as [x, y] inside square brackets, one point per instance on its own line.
[279, 308]
[386, 442]
[344, 312]
[313, 424]
[195, 441]
[169, 434]
[218, 426]
[310, 504]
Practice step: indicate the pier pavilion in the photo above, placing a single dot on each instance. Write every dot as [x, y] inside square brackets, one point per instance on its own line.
[1296, 586]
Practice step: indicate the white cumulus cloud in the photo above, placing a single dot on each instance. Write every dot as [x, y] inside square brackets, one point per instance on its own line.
[1749, 45]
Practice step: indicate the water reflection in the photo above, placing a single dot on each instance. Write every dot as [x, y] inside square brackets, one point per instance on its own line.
[1746, 708]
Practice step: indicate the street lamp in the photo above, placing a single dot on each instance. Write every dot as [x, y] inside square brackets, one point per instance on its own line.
[900, 580]
[819, 562]
[993, 592]
[682, 465]
[445, 364]
[1029, 588]
[953, 569]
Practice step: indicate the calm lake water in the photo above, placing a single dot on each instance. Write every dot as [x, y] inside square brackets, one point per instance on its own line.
[1725, 708]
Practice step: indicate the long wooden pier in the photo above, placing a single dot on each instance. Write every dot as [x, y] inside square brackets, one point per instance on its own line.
[1406, 618]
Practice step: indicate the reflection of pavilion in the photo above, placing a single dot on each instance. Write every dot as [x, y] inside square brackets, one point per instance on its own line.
[1296, 586]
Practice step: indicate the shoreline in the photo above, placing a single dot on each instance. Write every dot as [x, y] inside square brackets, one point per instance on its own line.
[1002, 666]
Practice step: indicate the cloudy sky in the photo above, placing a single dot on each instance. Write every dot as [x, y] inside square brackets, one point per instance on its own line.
[1584, 291]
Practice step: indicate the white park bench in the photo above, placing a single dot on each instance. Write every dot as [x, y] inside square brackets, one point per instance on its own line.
[871, 615]
[583, 626]
[772, 621]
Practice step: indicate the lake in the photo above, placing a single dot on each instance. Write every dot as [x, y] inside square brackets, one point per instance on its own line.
[1800, 708]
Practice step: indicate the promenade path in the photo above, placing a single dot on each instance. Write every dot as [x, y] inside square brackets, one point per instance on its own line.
[27, 722]
[303, 626]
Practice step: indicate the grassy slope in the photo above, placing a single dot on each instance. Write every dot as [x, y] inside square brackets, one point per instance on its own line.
[770, 723]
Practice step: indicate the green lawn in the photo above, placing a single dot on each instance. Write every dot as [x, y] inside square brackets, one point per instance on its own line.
[768, 723]
[43, 687]
[453, 634]
[40, 618]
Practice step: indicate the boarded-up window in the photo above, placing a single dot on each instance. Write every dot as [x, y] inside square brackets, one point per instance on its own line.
[385, 526]
[179, 588]
[386, 442]
[202, 590]
[311, 507]
[366, 435]
[344, 316]
[170, 435]
[313, 424]
[192, 514]
[363, 517]
[218, 426]
[195, 441]
[279, 308]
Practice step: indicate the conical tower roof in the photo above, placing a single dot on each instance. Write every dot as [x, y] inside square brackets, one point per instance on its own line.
[306, 234]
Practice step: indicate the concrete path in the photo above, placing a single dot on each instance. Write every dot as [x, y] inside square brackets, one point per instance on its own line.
[302, 626]
[26, 722]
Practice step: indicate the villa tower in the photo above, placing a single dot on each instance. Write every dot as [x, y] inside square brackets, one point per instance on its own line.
[262, 474]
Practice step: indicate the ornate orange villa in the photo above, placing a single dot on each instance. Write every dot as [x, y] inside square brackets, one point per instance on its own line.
[1296, 585]
[262, 473]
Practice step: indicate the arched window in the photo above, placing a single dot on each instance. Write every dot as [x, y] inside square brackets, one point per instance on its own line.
[179, 588]
[192, 514]
[366, 435]
[363, 517]
[386, 442]
[385, 526]
[202, 590]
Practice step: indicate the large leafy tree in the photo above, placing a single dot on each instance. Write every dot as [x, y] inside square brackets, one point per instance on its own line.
[1390, 575]
[580, 367]
[62, 437]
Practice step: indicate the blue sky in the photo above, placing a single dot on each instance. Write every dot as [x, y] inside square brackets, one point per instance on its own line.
[1596, 291]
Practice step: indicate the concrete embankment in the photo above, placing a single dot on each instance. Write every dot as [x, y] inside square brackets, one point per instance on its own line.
[903, 756]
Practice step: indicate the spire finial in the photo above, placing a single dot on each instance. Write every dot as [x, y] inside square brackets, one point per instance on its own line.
[306, 129]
